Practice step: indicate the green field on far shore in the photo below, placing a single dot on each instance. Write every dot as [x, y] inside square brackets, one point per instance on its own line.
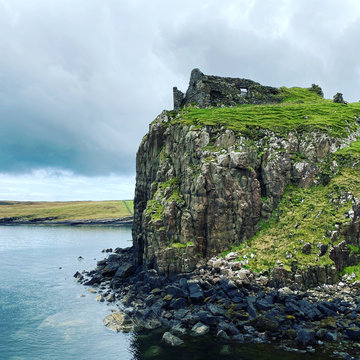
[69, 210]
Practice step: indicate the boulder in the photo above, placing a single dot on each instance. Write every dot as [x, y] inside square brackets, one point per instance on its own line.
[176, 291]
[118, 322]
[200, 329]
[353, 333]
[196, 294]
[306, 249]
[170, 339]
[125, 270]
[305, 337]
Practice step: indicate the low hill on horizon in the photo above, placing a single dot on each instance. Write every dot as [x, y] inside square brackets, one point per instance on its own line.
[65, 211]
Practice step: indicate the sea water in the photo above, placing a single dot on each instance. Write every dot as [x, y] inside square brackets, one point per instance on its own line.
[45, 314]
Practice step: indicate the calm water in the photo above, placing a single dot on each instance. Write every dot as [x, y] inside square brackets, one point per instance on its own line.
[45, 314]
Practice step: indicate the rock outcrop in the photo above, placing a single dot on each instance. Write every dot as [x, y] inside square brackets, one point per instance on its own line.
[201, 190]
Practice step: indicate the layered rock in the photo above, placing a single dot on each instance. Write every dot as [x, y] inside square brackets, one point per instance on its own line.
[200, 190]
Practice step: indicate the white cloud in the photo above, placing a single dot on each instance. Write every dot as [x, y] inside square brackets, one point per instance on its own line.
[59, 185]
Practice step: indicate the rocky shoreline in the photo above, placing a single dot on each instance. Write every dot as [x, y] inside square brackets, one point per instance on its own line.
[231, 303]
[75, 222]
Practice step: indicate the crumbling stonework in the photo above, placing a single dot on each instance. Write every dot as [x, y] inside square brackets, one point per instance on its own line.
[207, 90]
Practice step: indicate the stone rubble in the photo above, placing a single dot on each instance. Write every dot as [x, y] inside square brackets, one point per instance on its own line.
[234, 305]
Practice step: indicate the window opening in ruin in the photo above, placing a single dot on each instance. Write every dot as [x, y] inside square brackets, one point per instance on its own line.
[243, 91]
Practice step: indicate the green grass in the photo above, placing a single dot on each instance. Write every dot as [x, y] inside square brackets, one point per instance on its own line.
[178, 245]
[303, 215]
[167, 191]
[72, 210]
[301, 110]
[352, 269]
[353, 249]
[352, 151]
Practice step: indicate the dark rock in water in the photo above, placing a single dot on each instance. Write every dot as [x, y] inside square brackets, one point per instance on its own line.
[343, 355]
[153, 351]
[190, 320]
[178, 329]
[239, 338]
[102, 262]
[110, 269]
[95, 280]
[199, 329]
[196, 293]
[305, 337]
[262, 323]
[110, 297]
[353, 333]
[146, 319]
[77, 275]
[171, 339]
[222, 334]
[228, 328]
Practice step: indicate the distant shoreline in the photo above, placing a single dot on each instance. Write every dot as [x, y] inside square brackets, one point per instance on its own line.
[69, 213]
[125, 221]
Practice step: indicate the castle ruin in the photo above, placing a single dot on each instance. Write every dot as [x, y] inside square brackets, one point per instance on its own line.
[207, 90]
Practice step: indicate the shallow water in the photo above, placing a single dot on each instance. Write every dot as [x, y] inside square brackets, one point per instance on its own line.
[45, 314]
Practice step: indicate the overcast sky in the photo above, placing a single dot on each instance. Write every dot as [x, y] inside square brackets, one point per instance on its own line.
[80, 80]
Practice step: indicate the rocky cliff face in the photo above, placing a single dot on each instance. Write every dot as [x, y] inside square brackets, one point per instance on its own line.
[201, 189]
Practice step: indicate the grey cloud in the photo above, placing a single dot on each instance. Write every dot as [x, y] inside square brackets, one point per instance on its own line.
[80, 81]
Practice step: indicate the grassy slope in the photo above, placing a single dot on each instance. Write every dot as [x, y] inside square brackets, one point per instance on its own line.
[303, 111]
[73, 210]
[303, 215]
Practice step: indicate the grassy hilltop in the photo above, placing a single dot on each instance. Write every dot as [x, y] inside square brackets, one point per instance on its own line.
[66, 211]
[300, 110]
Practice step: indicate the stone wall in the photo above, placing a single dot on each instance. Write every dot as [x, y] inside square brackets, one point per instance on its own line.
[207, 90]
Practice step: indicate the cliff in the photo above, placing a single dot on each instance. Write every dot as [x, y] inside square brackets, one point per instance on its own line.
[276, 183]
